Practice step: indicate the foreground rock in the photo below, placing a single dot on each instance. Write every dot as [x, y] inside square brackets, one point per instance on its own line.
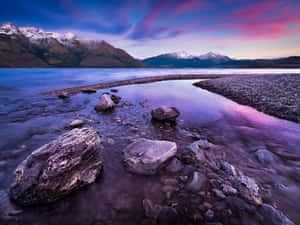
[148, 156]
[105, 104]
[165, 113]
[58, 168]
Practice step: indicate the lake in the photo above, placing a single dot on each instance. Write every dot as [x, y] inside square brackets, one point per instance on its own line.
[29, 120]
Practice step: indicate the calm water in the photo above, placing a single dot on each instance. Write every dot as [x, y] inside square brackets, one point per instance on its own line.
[30, 120]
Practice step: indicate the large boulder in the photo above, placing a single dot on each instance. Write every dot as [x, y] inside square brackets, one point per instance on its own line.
[54, 170]
[147, 156]
[105, 103]
[165, 113]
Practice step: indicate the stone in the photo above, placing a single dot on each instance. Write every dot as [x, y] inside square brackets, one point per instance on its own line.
[251, 185]
[197, 182]
[114, 90]
[165, 113]
[77, 123]
[228, 190]
[151, 210]
[105, 103]
[174, 166]
[219, 193]
[168, 216]
[264, 156]
[63, 95]
[195, 151]
[56, 169]
[88, 90]
[146, 157]
[209, 215]
[228, 168]
[116, 98]
[207, 205]
[274, 216]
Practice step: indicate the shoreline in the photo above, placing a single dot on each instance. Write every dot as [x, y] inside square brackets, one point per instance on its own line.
[142, 80]
[276, 95]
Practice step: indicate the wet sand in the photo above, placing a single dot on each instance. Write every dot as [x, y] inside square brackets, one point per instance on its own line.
[277, 95]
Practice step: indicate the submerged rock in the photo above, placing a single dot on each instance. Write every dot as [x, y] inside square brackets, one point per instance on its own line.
[165, 113]
[273, 216]
[147, 156]
[64, 94]
[54, 170]
[264, 156]
[105, 103]
[76, 123]
[116, 98]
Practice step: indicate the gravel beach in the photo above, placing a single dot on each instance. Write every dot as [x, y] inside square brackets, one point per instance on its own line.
[277, 95]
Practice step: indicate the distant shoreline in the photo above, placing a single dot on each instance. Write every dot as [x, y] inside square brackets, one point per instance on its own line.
[277, 95]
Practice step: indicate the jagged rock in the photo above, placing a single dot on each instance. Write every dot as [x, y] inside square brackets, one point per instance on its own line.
[116, 98]
[251, 185]
[165, 113]
[54, 170]
[76, 123]
[264, 156]
[197, 182]
[64, 94]
[105, 103]
[273, 216]
[174, 166]
[147, 156]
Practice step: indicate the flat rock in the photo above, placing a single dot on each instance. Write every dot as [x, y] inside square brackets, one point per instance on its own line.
[147, 156]
[165, 113]
[56, 169]
[105, 103]
[264, 156]
[77, 123]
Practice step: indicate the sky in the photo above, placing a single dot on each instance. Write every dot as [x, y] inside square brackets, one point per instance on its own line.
[144, 28]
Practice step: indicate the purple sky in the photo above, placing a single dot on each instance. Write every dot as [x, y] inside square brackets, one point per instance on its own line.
[238, 28]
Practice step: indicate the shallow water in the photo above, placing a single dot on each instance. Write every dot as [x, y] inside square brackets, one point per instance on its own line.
[28, 121]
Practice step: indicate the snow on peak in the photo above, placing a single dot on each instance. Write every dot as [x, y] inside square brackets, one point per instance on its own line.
[9, 29]
[212, 55]
[182, 55]
[35, 35]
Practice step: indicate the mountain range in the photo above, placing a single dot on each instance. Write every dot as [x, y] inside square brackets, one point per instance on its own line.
[213, 60]
[33, 47]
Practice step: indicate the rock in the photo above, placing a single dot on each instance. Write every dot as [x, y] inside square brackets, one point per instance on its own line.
[196, 151]
[147, 156]
[228, 168]
[174, 166]
[105, 103]
[207, 205]
[274, 216]
[209, 215]
[251, 185]
[219, 193]
[116, 98]
[64, 94]
[228, 190]
[165, 113]
[264, 156]
[76, 123]
[15, 212]
[151, 210]
[114, 90]
[197, 182]
[56, 169]
[89, 90]
[168, 216]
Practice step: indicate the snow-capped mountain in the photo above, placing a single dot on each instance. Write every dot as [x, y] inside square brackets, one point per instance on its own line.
[185, 55]
[34, 47]
[212, 55]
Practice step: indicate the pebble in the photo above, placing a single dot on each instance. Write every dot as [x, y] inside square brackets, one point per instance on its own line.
[207, 205]
[219, 193]
[76, 123]
[228, 190]
[197, 182]
[209, 215]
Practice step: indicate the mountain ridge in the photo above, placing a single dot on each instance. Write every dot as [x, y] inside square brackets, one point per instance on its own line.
[33, 47]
